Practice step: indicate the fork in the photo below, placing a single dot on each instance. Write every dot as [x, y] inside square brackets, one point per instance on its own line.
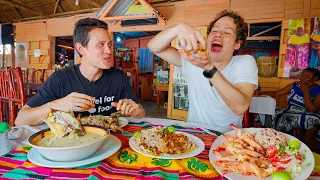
[193, 127]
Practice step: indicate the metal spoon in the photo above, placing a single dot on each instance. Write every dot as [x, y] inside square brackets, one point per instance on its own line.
[92, 110]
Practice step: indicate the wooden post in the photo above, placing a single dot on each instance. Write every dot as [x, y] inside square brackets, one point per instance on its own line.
[3, 57]
[13, 59]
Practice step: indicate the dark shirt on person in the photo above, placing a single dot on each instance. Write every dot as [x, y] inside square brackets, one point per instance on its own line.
[112, 86]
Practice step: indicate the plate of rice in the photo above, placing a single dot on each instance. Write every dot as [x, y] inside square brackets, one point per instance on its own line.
[166, 143]
[253, 153]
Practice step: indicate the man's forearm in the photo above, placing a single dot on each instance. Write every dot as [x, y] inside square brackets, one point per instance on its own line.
[33, 116]
[235, 99]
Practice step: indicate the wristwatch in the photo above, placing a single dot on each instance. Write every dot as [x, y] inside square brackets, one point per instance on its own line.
[209, 73]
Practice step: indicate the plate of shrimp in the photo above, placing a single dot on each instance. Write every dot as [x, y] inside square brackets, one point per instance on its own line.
[240, 154]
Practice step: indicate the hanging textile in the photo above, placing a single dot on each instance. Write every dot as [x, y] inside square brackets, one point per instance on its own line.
[145, 63]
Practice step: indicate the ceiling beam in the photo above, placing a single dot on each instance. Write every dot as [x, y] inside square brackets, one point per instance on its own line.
[59, 14]
[93, 3]
[19, 6]
[3, 20]
[18, 12]
[55, 7]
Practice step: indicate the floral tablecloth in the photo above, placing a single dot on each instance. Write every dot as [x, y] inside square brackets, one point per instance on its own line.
[124, 164]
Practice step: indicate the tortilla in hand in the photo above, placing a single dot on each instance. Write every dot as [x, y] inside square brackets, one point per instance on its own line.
[63, 123]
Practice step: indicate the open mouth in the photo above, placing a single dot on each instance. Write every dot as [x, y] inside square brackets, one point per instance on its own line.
[216, 47]
[107, 59]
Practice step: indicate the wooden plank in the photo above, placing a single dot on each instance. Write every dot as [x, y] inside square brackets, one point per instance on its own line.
[38, 38]
[314, 4]
[269, 80]
[191, 4]
[256, 4]
[39, 66]
[294, 11]
[314, 12]
[263, 11]
[36, 29]
[34, 45]
[114, 18]
[139, 28]
[294, 16]
[20, 29]
[170, 91]
[34, 60]
[274, 8]
[264, 20]
[60, 26]
[253, 1]
[46, 52]
[294, 6]
[269, 85]
[306, 8]
[45, 44]
[262, 16]
[21, 39]
[211, 2]
[285, 81]
[293, 1]
[220, 6]
[180, 114]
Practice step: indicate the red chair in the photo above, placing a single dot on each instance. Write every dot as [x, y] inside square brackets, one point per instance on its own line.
[14, 91]
[32, 81]
[4, 95]
[246, 120]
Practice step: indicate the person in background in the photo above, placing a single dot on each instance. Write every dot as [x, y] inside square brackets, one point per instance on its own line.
[314, 61]
[298, 52]
[303, 103]
[90, 88]
[220, 85]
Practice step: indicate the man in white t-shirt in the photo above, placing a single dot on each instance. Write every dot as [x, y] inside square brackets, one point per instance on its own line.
[220, 85]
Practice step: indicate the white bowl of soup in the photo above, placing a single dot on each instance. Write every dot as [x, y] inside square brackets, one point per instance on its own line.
[69, 148]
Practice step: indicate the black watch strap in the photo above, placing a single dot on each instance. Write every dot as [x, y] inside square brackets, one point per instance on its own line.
[209, 73]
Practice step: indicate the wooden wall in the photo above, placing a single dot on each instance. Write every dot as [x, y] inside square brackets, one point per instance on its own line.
[40, 35]
[194, 12]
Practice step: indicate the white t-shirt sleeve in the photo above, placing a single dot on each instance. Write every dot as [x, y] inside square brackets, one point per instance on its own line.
[245, 70]
[184, 65]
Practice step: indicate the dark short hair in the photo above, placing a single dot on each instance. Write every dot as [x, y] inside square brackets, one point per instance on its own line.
[241, 26]
[83, 27]
[314, 71]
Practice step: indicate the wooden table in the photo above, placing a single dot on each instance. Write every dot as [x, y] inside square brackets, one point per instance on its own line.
[160, 88]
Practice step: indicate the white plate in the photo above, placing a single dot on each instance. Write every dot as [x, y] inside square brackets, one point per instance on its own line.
[195, 152]
[123, 121]
[110, 146]
[237, 176]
